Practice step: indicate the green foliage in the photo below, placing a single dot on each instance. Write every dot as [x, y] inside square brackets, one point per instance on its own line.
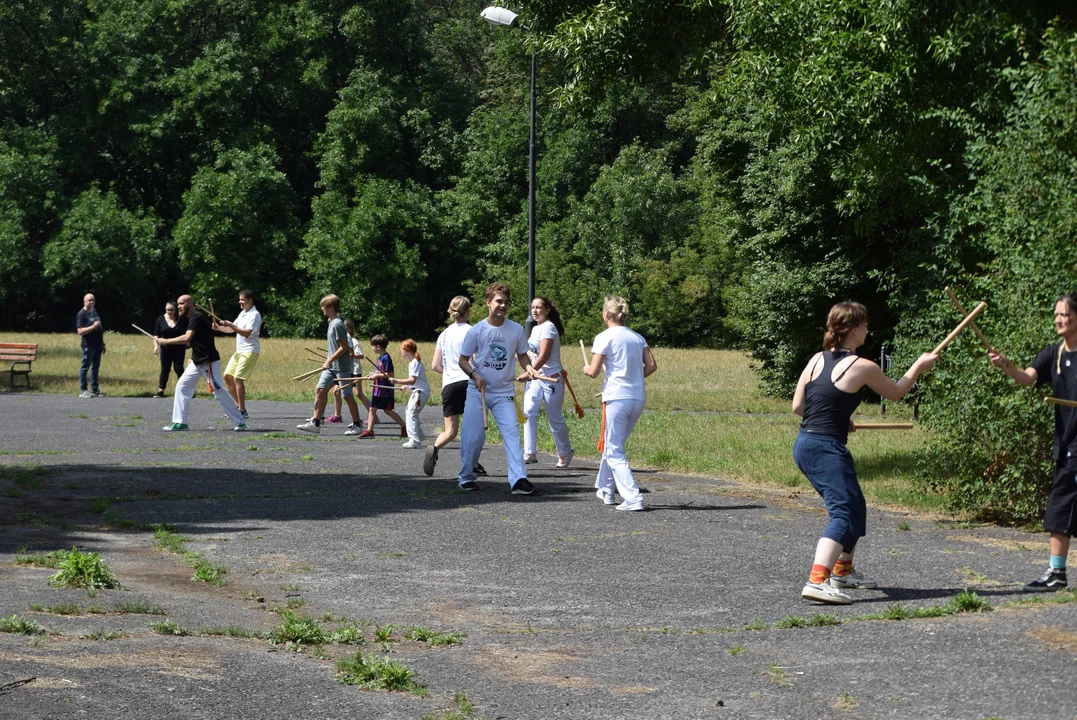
[167, 627]
[378, 673]
[83, 570]
[434, 638]
[295, 631]
[17, 626]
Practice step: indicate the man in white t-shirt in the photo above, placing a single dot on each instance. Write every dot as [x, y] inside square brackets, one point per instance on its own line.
[248, 347]
[487, 359]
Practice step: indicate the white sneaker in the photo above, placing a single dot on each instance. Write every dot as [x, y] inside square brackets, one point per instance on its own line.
[824, 593]
[309, 426]
[530, 459]
[86, 394]
[565, 461]
[353, 429]
[606, 496]
[240, 428]
[412, 445]
[631, 507]
[852, 581]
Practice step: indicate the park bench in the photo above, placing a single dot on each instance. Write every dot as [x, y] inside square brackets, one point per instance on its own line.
[19, 354]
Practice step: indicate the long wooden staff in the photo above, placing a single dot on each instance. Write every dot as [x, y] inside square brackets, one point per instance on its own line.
[584, 353]
[482, 396]
[211, 310]
[957, 331]
[315, 353]
[136, 327]
[210, 313]
[1060, 401]
[974, 326]
[884, 426]
[306, 375]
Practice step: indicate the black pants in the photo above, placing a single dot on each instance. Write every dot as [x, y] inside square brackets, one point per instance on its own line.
[170, 361]
[1061, 514]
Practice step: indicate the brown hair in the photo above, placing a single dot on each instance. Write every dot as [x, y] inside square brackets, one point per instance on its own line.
[331, 301]
[842, 319]
[381, 341]
[246, 294]
[409, 346]
[495, 288]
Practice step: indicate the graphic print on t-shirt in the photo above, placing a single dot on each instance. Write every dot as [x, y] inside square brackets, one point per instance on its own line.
[498, 356]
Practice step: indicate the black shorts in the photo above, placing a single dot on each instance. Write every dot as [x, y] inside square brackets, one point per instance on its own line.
[453, 397]
[1061, 514]
[384, 402]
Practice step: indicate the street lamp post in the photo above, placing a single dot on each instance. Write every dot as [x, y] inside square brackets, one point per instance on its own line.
[501, 16]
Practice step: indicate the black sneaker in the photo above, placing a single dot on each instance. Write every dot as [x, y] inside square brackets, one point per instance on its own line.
[244, 414]
[1052, 580]
[523, 487]
[480, 470]
[160, 394]
[430, 460]
[469, 485]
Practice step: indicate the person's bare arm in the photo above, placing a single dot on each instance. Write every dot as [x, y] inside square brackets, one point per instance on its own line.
[805, 377]
[649, 363]
[465, 366]
[181, 340]
[1025, 377]
[545, 348]
[873, 376]
[437, 364]
[595, 367]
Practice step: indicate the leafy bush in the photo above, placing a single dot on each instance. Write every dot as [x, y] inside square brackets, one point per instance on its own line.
[83, 570]
[378, 673]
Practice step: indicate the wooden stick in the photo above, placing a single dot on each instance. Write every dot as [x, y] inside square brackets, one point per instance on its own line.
[1060, 401]
[211, 310]
[482, 394]
[315, 353]
[598, 394]
[883, 426]
[136, 327]
[957, 331]
[584, 353]
[306, 375]
[210, 313]
[974, 326]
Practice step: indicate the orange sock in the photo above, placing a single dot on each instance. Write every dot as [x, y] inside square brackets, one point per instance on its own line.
[842, 568]
[819, 574]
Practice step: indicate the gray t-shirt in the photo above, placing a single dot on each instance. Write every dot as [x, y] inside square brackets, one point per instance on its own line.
[339, 334]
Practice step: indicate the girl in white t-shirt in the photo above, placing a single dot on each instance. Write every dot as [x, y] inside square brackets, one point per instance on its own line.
[357, 389]
[544, 347]
[627, 361]
[420, 393]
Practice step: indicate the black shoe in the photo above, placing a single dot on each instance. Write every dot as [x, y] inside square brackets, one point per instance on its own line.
[469, 485]
[523, 487]
[479, 470]
[430, 460]
[160, 394]
[1052, 580]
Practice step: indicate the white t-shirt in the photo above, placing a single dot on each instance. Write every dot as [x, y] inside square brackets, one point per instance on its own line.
[418, 371]
[493, 352]
[357, 349]
[249, 320]
[546, 331]
[449, 342]
[623, 350]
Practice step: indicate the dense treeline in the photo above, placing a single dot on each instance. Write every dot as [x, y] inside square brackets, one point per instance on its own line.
[731, 166]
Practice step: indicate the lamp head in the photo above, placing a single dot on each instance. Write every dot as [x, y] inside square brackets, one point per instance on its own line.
[500, 16]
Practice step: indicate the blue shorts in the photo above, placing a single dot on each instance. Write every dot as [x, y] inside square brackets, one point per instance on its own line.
[828, 465]
[382, 402]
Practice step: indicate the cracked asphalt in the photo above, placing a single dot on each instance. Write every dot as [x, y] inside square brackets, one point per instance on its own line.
[569, 609]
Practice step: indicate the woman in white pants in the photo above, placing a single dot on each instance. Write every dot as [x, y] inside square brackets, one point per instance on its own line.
[544, 347]
[627, 361]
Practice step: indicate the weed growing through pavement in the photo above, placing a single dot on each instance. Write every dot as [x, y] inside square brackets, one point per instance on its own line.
[845, 701]
[137, 608]
[737, 650]
[903, 525]
[61, 609]
[295, 603]
[289, 588]
[306, 458]
[384, 633]
[756, 625]
[167, 627]
[433, 638]
[252, 448]
[779, 675]
[973, 575]
[101, 635]
[17, 626]
[378, 673]
[464, 709]
[169, 540]
[295, 631]
[83, 570]
[228, 631]
[793, 621]
[347, 635]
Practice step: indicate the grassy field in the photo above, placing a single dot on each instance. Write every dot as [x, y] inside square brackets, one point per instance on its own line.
[707, 415]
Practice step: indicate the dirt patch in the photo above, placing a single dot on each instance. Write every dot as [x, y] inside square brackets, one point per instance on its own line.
[1038, 546]
[281, 564]
[194, 664]
[632, 690]
[1056, 638]
[534, 666]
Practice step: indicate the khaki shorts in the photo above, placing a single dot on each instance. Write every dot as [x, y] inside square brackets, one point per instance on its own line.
[242, 365]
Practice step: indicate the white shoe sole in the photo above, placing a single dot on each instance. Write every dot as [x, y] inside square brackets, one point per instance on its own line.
[606, 498]
[830, 598]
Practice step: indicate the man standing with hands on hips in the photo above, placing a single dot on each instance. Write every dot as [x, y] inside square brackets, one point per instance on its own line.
[487, 356]
[205, 361]
[88, 326]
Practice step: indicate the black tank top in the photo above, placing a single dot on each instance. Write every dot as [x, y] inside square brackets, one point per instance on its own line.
[826, 408]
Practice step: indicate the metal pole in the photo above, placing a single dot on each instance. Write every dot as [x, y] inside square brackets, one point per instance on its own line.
[530, 324]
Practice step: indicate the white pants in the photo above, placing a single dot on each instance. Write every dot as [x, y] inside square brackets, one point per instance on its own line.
[185, 387]
[553, 394]
[621, 418]
[473, 435]
[411, 416]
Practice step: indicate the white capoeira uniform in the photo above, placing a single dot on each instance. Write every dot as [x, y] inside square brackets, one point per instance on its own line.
[205, 363]
[540, 391]
[623, 397]
[493, 352]
[420, 393]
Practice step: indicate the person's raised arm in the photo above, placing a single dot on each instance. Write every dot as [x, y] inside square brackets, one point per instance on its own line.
[1025, 377]
[873, 376]
[179, 340]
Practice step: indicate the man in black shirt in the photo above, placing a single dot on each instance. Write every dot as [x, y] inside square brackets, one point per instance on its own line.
[88, 325]
[205, 362]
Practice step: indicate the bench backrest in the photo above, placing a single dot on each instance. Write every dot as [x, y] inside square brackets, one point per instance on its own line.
[18, 351]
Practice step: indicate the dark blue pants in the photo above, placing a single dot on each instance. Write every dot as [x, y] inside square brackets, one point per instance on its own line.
[826, 462]
[91, 360]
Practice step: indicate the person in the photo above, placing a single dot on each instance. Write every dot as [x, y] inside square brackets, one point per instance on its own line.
[205, 361]
[357, 388]
[453, 381]
[248, 349]
[169, 325]
[827, 395]
[627, 360]
[1056, 364]
[420, 393]
[544, 347]
[486, 358]
[380, 397]
[88, 326]
[338, 364]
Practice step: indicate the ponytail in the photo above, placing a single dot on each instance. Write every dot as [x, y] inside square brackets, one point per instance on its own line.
[842, 319]
[552, 313]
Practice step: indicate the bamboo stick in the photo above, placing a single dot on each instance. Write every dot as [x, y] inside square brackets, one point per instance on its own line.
[957, 331]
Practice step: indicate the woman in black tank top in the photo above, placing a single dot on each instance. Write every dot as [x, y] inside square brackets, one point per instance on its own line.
[827, 395]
